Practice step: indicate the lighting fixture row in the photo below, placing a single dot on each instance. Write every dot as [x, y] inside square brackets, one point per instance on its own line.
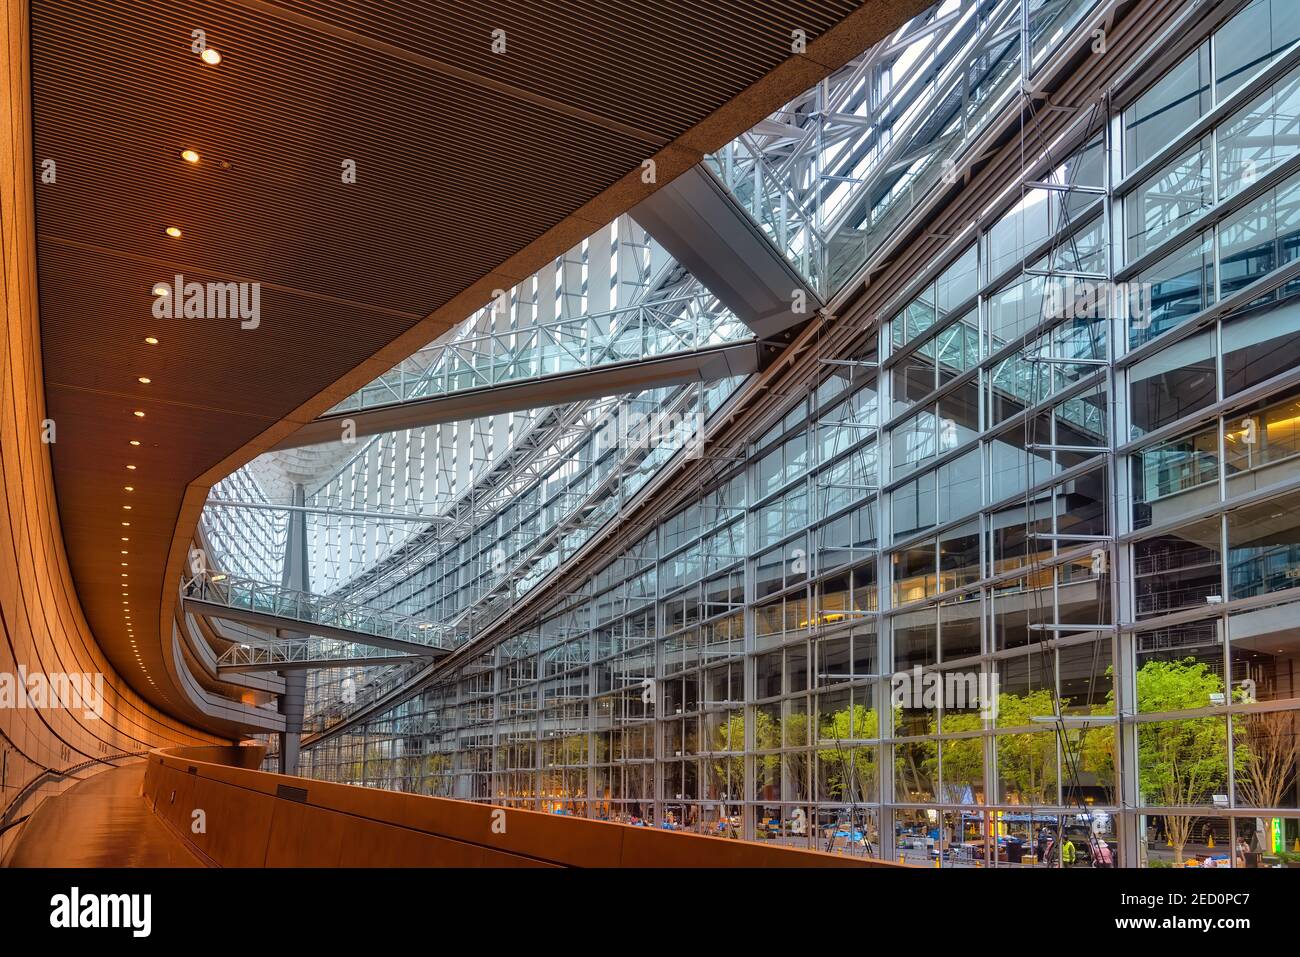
[211, 57]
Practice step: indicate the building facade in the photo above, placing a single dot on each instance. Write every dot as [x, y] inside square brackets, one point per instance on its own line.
[1003, 547]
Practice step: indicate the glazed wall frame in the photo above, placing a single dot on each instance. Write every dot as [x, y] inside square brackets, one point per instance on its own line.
[1092, 509]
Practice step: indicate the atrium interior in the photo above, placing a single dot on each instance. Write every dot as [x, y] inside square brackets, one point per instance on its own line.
[841, 433]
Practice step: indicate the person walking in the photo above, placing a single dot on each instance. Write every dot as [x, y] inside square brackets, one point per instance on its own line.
[1068, 853]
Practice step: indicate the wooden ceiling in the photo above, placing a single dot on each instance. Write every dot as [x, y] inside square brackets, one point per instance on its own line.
[473, 169]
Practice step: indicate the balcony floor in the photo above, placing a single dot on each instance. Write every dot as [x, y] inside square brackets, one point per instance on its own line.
[100, 822]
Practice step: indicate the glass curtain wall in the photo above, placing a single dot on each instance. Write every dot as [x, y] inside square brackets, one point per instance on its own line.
[1085, 515]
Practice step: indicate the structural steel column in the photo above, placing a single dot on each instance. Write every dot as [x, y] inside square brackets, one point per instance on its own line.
[293, 700]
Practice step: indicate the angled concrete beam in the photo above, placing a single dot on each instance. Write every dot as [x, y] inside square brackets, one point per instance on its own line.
[702, 226]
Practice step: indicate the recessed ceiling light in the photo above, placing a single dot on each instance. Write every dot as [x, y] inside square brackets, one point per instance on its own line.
[127, 524]
[173, 231]
[162, 289]
[151, 340]
[210, 56]
[131, 467]
[128, 488]
[138, 414]
[135, 441]
[189, 156]
[127, 507]
[144, 380]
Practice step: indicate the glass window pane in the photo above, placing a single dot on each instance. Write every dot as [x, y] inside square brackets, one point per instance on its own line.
[914, 442]
[1181, 285]
[1261, 446]
[1175, 477]
[1250, 41]
[1183, 763]
[957, 283]
[1177, 570]
[1264, 547]
[1172, 383]
[1170, 200]
[913, 506]
[1259, 136]
[1174, 102]
[1260, 346]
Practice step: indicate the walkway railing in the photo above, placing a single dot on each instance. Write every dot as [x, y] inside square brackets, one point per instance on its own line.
[317, 651]
[670, 326]
[266, 598]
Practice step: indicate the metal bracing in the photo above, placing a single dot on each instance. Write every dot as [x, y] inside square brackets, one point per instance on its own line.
[250, 544]
[697, 220]
[571, 526]
[830, 177]
[458, 462]
[1044, 624]
[556, 455]
[582, 325]
[530, 460]
[707, 363]
[373, 515]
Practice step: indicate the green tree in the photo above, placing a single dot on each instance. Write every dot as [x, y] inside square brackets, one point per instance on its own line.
[1180, 763]
[728, 768]
[1027, 765]
[849, 770]
[963, 759]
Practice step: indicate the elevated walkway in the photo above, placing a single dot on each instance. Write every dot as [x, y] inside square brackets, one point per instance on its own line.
[268, 605]
[676, 335]
[705, 364]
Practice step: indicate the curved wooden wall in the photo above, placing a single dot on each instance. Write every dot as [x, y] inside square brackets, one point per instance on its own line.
[251, 818]
[42, 627]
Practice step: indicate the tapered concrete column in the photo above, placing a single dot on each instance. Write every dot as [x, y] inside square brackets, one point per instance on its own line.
[293, 700]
